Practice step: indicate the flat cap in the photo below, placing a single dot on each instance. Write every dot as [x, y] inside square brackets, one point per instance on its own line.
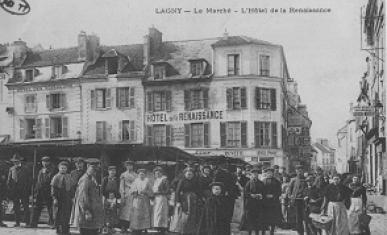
[141, 170]
[112, 168]
[128, 162]
[64, 163]
[16, 158]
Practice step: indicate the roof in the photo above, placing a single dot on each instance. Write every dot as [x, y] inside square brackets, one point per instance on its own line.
[51, 57]
[239, 40]
[323, 148]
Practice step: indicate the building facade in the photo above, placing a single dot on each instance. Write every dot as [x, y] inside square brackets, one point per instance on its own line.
[324, 156]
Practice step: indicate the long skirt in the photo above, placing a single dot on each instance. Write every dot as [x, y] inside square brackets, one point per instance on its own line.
[338, 212]
[140, 216]
[160, 212]
[252, 218]
[126, 208]
[353, 215]
[190, 214]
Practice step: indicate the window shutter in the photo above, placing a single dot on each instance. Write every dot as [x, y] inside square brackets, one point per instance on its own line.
[206, 131]
[63, 101]
[104, 133]
[273, 99]
[65, 125]
[36, 72]
[256, 134]
[132, 132]
[26, 103]
[92, 99]
[149, 135]
[187, 135]
[108, 98]
[22, 129]
[243, 98]
[38, 132]
[131, 97]
[119, 129]
[205, 98]
[223, 134]
[168, 134]
[229, 98]
[48, 101]
[244, 134]
[168, 95]
[187, 100]
[274, 135]
[47, 127]
[118, 100]
[257, 97]
[149, 99]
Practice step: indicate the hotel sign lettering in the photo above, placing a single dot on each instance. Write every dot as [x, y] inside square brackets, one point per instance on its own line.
[42, 88]
[184, 116]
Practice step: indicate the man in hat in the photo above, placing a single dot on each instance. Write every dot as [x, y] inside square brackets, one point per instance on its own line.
[205, 180]
[241, 177]
[61, 194]
[89, 205]
[19, 184]
[272, 204]
[43, 193]
[110, 183]
[76, 174]
[126, 180]
[297, 193]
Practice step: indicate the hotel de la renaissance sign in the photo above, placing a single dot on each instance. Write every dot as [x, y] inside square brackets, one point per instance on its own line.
[161, 117]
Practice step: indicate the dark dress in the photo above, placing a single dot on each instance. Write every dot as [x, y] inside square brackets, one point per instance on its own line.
[272, 204]
[110, 185]
[214, 220]
[204, 183]
[252, 218]
[61, 191]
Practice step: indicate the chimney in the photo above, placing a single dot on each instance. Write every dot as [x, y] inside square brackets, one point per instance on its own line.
[225, 35]
[88, 46]
[155, 41]
[19, 49]
[146, 50]
[323, 141]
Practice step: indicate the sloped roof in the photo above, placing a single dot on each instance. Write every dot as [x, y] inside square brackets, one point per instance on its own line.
[239, 40]
[322, 148]
[52, 56]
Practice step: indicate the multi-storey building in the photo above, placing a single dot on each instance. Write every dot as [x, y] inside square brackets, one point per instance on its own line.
[347, 159]
[324, 155]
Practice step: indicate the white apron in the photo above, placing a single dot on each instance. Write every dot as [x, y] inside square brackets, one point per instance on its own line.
[353, 215]
[126, 181]
[160, 207]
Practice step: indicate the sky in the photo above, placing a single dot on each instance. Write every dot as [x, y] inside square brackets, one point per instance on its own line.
[322, 49]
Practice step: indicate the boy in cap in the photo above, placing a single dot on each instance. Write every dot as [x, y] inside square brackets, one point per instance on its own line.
[61, 194]
[214, 220]
[43, 193]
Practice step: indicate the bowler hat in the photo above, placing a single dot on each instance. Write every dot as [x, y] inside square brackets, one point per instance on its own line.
[158, 168]
[92, 162]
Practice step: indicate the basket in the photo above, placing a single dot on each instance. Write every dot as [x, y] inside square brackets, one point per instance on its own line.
[321, 221]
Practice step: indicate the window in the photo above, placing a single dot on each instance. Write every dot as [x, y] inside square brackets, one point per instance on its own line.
[266, 98]
[57, 71]
[159, 72]
[196, 135]
[196, 68]
[29, 75]
[57, 127]
[30, 128]
[159, 135]
[266, 135]
[125, 97]
[233, 64]
[196, 99]
[112, 65]
[30, 104]
[264, 65]
[159, 101]
[100, 131]
[56, 101]
[233, 134]
[128, 132]
[236, 98]
[100, 99]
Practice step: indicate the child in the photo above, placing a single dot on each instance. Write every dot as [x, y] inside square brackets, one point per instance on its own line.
[214, 220]
[111, 218]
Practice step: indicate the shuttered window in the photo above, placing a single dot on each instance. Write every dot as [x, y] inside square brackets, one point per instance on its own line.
[125, 97]
[100, 99]
[196, 99]
[159, 135]
[233, 134]
[264, 65]
[233, 64]
[58, 127]
[196, 135]
[128, 131]
[236, 98]
[196, 68]
[101, 134]
[159, 72]
[29, 75]
[265, 134]
[159, 101]
[266, 98]
[30, 105]
[56, 101]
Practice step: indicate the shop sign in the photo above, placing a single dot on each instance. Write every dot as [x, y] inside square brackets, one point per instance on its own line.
[236, 153]
[362, 111]
[41, 88]
[185, 116]
[294, 130]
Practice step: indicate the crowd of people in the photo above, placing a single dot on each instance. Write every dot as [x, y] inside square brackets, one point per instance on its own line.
[198, 200]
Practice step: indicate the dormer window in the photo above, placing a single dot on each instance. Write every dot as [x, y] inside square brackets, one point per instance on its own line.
[112, 65]
[29, 75]
[233, 61]
[57, 71]
[159, 72]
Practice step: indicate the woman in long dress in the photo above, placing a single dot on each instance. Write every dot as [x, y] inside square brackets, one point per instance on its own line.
[160, 204]
[140, 217]
[126, 180]
[358, 203]
[335, 195]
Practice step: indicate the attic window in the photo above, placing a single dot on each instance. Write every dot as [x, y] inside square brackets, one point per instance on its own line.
[29, 75]
[159, 72]
[112, 65]
[57, 71]
[196, 67]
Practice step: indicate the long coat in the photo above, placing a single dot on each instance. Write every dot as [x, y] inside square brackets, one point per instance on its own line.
[160, 204]
[19, 182]
[88, 200]
[252, 218]
[61, 190]
[126, 181]
[42, 186]
[272, 204]
[214, 220]
[140, 217]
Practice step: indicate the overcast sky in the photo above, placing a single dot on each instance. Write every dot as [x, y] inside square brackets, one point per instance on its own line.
[323, 50]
